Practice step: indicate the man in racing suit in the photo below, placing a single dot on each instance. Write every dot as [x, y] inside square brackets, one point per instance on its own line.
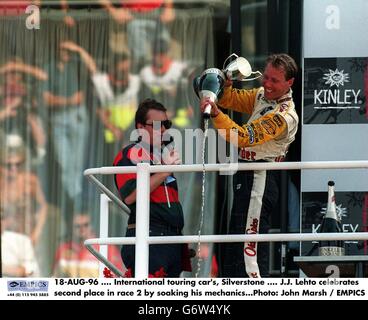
[265, 137]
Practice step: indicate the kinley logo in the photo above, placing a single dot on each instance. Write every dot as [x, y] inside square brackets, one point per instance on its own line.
[340, 98]
[28, 286]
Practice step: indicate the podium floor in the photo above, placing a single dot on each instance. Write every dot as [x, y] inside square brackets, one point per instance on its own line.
[347, 266]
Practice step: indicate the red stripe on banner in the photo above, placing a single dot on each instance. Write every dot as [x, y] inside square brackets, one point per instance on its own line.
[14, 7]
[143, 6]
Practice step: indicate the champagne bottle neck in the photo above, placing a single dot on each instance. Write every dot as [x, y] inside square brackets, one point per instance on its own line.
[331, 204]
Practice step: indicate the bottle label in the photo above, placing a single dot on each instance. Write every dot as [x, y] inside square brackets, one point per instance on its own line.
[331, 251]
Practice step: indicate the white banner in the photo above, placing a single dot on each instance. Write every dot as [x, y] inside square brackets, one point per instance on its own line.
[184, 289]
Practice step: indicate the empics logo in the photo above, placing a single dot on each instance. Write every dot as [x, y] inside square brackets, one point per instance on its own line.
[336, 78]
[28, 285]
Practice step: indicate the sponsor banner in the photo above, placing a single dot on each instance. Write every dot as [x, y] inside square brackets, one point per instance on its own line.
[326, 33]
[351, 208]
[335, 90]
[216, 291]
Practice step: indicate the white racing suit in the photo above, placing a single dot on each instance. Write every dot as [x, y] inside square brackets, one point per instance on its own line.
[265, 137]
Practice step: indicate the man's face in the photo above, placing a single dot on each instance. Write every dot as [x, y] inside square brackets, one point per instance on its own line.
[274, 82]
[13, 78]
[159, 60]
[120, 75]
[153, 130]
[64, 55]
[13, 165]
[82, 227]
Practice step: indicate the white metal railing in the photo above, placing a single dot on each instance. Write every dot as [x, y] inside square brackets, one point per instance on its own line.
[142, 239]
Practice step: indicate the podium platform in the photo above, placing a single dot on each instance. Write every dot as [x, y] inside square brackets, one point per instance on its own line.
[349, 266]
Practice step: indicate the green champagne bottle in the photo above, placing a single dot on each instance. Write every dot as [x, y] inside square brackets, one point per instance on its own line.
[331, 223]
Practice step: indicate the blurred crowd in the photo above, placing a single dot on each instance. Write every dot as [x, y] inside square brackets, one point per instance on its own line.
[68, 95]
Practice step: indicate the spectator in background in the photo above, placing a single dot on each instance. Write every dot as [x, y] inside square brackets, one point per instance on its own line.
[17, 253]
[118, 94]
[145, 23]
[118, 111]
[165, 79]
[20, 105]
[21, 188]
[64, 96]
[9, 108]
[73, 259]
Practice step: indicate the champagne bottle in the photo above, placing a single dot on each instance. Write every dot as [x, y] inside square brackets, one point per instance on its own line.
[331, 223]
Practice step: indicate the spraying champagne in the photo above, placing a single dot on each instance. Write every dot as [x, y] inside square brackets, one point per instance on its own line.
[210, 83]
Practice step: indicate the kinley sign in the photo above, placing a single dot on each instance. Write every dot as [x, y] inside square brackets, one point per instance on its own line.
[336, 98]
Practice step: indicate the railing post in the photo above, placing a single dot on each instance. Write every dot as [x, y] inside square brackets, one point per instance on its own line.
[104, 228]
[142, 220]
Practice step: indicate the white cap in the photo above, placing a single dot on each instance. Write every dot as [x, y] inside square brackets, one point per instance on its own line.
[13, 140]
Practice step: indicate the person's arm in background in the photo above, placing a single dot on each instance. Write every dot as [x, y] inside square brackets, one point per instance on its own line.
[104, 115]
[85, 56]
[61, 101]
[42, 211]
[168, 12]
[13, 271]
[27, 265]
[68, 20]
[10, 109]
[120, 15]
[23, 67]
[38, 134]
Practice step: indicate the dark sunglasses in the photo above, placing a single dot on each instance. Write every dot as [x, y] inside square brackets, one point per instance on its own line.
[13, 164]
[81, 225]
[166, 123]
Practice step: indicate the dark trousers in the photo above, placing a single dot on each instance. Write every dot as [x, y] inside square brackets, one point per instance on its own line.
[166, 256]
[244, 186]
